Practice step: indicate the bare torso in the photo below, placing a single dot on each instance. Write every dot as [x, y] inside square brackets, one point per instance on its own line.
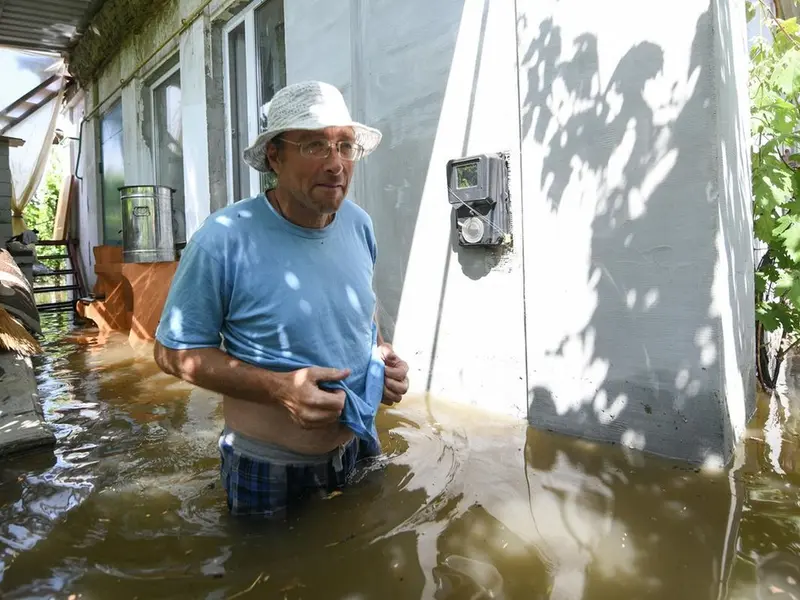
[273, 424]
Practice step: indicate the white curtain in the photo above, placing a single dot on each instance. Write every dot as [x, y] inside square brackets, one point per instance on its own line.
[28, 162]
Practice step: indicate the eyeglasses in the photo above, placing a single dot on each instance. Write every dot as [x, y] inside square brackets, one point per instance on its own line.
[322, 149]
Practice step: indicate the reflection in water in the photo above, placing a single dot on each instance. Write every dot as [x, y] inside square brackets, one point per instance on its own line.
[462, 505]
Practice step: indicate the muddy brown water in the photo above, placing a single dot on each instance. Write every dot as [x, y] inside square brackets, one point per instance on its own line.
[463, 505]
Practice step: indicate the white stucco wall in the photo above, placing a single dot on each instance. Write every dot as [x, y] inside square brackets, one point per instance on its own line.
[638, 271]
[623, 312]
[734, 289]
[194, 55]
[438, 88]
[88, 215]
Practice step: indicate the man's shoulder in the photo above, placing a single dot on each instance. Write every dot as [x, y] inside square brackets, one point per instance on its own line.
[361, 223]
[238, 214]
[355, 213]
[227, 222]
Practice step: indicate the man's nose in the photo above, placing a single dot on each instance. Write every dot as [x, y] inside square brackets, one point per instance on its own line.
[334, 163]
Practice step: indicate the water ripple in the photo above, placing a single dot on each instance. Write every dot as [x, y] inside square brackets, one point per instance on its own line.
[460, 505]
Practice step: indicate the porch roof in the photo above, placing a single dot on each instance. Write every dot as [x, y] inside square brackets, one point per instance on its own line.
[45, 25]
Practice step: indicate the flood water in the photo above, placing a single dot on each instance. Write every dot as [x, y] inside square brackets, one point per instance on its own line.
[463, 505]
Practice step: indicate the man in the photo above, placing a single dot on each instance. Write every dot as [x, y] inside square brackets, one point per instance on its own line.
[283, 282]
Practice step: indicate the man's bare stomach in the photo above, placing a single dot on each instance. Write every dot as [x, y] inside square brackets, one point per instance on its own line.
[274, 424]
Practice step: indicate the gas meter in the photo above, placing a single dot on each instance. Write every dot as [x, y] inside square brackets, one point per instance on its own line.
[477, 188]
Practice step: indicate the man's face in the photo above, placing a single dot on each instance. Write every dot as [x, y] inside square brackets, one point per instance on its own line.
[320, 184]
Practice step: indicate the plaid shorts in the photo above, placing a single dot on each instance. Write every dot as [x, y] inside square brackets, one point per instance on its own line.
[271, 489]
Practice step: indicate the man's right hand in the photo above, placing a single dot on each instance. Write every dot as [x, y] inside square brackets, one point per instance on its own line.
[309, 405]
[299, 391]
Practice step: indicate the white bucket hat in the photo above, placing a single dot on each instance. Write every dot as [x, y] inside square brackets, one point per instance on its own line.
[309, 105]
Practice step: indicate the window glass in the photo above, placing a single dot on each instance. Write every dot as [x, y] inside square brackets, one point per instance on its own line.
[169, 146]
[112, 173]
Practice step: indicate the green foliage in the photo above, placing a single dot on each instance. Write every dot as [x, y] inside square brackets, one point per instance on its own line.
[40, 212]
[775, 122]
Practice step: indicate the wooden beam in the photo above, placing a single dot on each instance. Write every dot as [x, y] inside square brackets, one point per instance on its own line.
[30, 94]
[12, 141]
[28, 113]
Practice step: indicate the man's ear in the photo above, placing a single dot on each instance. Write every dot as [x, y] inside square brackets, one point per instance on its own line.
[273, 158]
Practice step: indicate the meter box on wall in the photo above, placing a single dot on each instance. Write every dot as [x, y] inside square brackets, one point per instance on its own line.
[478, 190]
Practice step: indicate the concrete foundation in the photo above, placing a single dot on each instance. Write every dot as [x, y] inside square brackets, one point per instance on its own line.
[623, 310]
[22, 425]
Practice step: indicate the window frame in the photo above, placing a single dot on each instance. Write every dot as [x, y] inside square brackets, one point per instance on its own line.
[247, 17]
[151, 98]
[111, 104]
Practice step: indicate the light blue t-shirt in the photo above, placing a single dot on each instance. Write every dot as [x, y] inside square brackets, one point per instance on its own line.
[283, 297]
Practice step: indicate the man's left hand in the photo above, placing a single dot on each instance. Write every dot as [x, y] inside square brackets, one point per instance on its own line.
[395, 380]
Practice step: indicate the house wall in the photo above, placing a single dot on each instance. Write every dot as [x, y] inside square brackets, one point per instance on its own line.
[734, 284]
[637, 214]
[162, 36]
[88, 221]
[623, 310]
[455, 313]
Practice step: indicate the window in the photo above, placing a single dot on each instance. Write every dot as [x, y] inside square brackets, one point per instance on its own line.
[239, 129]
[271, 56]
[167, 142]
[254, 55]
[112, 173]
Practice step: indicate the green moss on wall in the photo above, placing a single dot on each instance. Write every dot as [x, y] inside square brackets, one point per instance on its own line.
[111, 27]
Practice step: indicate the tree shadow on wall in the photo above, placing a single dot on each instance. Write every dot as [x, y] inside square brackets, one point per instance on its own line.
[642, 172]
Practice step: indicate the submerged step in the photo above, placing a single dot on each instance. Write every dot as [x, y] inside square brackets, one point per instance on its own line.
[55, 288]
[55, 272]
[56, 307]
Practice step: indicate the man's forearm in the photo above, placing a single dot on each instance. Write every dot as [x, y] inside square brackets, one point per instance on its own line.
[214, 370]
